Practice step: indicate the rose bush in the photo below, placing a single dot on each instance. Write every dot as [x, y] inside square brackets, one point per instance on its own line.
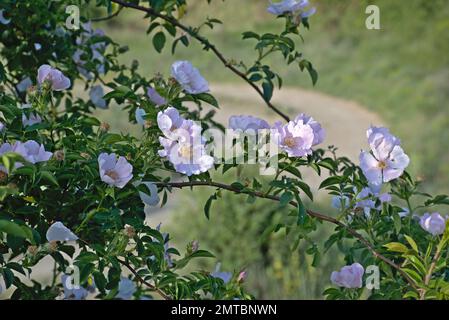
[72, 190]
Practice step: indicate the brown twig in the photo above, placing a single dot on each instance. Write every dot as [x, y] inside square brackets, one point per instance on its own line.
[433, 264]
[107, 17]
[208, 45]
[311, 213]
[143, 281]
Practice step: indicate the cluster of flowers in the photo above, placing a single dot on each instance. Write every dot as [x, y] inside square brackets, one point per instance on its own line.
[296, 138]
[187, 76]
[182, 142]
[183, 145]
[46, 74]
[385, 162]
[30, 150]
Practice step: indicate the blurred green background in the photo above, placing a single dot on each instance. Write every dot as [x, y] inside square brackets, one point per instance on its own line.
[401, 72]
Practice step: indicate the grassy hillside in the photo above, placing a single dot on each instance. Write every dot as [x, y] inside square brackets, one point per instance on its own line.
[400, 71]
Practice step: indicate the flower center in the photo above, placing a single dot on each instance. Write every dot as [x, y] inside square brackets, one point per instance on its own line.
[290, 142]
[185, 151]
[382, 164]
[112, 174]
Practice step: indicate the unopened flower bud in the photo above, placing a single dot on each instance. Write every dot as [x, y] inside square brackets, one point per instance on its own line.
[297, 20]
[85, 155]
[158, 76]
[359, 212]
[105, 127]
[3, 176]
[148, 124]
[172, 81]
[31, 91]
[32, 250]
[52, 246]
[195, 245]
[242, 276]
[59, 155]
[130, 232]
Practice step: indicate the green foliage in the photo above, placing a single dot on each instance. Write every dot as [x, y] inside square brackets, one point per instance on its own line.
[243, 237]
[114, 242]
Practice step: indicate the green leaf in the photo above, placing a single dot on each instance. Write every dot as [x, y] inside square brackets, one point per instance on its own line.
[413, 274]
[302, 212]
[6, 191]
[397, 222]
[208, 98]
[25, 170]
[313, 74]
[250, 35]
[112, 138]
[412, 243]
[100, 280]
[438, 200]
[267, 90]
[13, 229]
[255, 77]
[237, 186]
[305, 187]
[286, 197]
[208, 205]
[119, 92]
[201, 254]
[328, 164]
[330, 181]
[396, 247]
[87, 257]
[159, 41]
[197, 254]
[49, 177]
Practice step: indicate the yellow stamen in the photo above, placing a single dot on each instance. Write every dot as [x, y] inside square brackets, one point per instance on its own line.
[382, 165]
[112, 174]
[185, 151]
[290, 142]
